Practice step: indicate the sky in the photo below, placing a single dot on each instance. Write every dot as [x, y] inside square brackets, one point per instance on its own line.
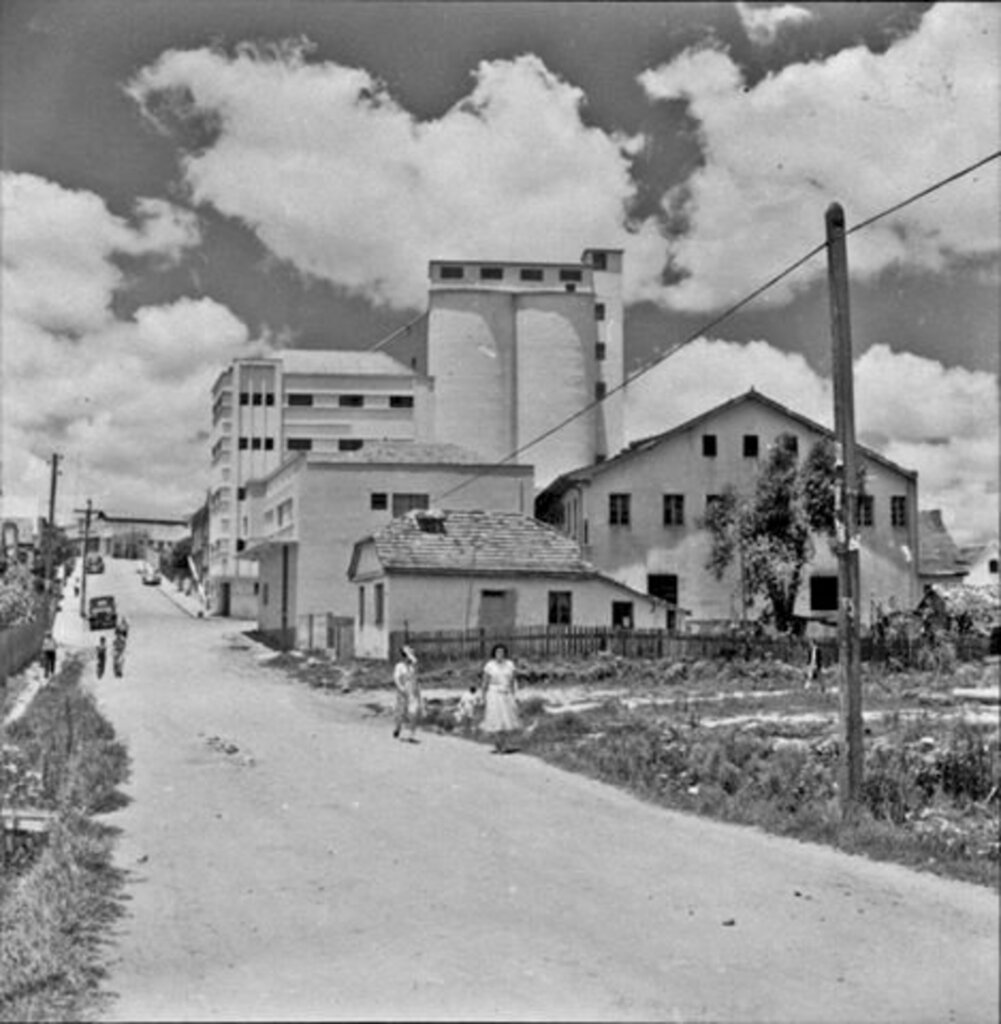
[185, 181]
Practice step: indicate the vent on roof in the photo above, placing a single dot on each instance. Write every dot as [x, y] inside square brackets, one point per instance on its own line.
[430, 520]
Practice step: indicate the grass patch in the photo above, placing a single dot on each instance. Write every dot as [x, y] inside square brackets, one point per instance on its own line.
[57, 900]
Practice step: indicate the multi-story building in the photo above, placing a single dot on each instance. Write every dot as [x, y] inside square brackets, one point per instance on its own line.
[266, 409]
[638, 515]
[515, 349]
[307, 515]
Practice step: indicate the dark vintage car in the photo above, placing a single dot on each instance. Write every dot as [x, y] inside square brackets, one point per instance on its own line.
[93, 563]
[101, 612]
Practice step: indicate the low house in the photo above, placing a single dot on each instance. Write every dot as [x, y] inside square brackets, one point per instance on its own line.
[982, 562]
[638, 515]
[500, 571]
[941, 563]
[304, 518]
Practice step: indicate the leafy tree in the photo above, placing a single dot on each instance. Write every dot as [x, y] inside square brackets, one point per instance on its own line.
[19, 596]
[771, 530]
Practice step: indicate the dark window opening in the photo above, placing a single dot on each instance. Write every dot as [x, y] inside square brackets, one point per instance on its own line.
[823, 593]
[571, 275]
[351, 401]
[361, 606]
[429, 523]
[864, 510]
[750, 446]
[622, 615]
[258, 398]
[255, 444]
[600, 351]
[600, 389]
[571, 287]
[269, 398]
[491, 273]
[241, 493]
[898, 510]
[599, 311]
[269, 444]
[379, 593]
[244, 398]
[530, 274]
[294, 399]
[401, 401]
[299, 444]
[379, 501]
[452, 273]
[599, 260]
[709, 446]
[674, 510]
[619, 511]
[349, 444]
[992, 566]
[244, 443]
[560, 608]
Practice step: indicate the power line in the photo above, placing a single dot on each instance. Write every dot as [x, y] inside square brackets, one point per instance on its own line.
[725, 315]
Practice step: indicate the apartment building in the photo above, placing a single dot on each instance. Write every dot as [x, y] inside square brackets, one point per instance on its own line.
[265, 410]
[638, 515]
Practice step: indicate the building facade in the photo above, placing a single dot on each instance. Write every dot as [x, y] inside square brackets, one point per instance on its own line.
[516, 348]
[266, 410]
[306, 516]
[499, 571]
[638, 515]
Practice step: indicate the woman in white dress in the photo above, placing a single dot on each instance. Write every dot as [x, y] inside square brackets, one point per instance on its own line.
[500, 715]
[408, 694]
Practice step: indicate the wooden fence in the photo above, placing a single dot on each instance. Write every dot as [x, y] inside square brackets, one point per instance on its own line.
[570, 643]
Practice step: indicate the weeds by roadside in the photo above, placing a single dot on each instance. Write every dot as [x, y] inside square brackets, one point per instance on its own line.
[61, 756]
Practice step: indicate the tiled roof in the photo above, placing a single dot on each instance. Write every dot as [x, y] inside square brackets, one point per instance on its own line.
[587, 473]
[939, 555]
[409, 452]
[340, 361]
[481, 542]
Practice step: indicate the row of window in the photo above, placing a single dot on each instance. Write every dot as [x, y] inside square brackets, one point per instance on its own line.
[620, 509]
[400, 504]
[454, 272]
[351, 401]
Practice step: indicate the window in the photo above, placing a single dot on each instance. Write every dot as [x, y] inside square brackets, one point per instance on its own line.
[351, 401]
[992, 566]
[674, 510]
[665, 586]
[750, 446]
[599, 311]
[452, 273]
[863, 510]
[401, 401]
[567, 274]
[709, 446]
[241, 493]
[431, 523]
[600, 389]
[240, 543]
[294, 399]
[255, 444]
[361, 606]
[379, 501]
[599, 351]
[823, 593]
[269, 444]
[560, 607]
[898, 510]
[244, 398]
[379, 594]
[599, 260]
[269, 398]
[618, 509]
[794, 444]
[258, 398]
[491, 273]
[299, 444]
[349, 444]
[622, 615]
[404, 503]
[530, 274]
[244, 443]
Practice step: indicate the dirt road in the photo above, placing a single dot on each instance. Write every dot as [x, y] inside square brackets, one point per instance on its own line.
[290, 860]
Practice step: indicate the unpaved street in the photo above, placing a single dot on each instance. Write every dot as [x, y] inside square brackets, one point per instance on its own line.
[289, 860]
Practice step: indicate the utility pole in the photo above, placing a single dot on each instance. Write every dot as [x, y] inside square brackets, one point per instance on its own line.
[83, 557]
[50, 525]
[849, 649]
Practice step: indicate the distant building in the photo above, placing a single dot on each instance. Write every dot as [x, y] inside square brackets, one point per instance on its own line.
[638, 515]
[306, 516]
[268, 409]
[982, 562]
[455, 570]
[123, 536]
[941, 562]
[515, 349]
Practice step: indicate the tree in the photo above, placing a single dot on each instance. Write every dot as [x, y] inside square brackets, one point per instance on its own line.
[771, 530]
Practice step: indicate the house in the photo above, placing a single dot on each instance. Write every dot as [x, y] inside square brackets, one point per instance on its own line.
[265, 410]
[458, 569]
[940, 562]
[305, 517]
[638, 515]
[124, 536]
[982, 562]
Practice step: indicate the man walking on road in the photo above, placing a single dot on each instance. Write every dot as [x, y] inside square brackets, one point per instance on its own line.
[49, 654]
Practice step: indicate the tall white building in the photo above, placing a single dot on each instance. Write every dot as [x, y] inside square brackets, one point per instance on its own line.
[264, 409]
[515, 349]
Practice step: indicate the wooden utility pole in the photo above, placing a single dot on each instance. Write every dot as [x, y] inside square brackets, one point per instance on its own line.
[83, 557]
[849, 649]
[50, 525]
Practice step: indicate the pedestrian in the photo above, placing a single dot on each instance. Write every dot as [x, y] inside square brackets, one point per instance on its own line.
[500, 715]
[408, 693]
[118, 655]
[465, 713]
[49, 654]
[102, 656]
[122, 629]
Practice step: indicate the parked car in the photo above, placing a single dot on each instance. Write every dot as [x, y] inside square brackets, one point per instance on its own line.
[93, 563]
[101, 612]
[151, 576]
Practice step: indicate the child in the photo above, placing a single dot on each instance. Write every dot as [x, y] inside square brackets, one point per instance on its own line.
[466, 711]
[102, 656]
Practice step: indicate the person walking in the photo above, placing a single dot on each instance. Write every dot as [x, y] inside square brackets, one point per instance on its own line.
[500, 714]
[408, 693]
[102, 656]
[118, 654]
[49, 654]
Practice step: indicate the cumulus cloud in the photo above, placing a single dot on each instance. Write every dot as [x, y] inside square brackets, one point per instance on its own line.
[337, 178]
[122, 400]
[941, 421]
[763, 24]
[863, 128]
